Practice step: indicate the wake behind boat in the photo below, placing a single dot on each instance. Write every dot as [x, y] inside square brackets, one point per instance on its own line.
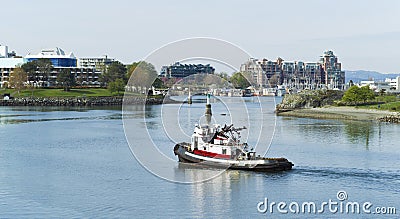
[217, 146]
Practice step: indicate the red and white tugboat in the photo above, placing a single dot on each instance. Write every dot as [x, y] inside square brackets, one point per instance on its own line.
[217, 146]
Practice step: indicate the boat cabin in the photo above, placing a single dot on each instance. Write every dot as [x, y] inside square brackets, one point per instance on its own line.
[210, 141]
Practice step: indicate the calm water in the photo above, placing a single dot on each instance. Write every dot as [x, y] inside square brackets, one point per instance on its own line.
[60, 162]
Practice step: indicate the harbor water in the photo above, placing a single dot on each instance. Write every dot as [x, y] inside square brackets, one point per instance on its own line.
[76, 162]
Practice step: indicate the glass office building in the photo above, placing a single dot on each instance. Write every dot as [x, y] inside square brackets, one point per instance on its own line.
[57, 57]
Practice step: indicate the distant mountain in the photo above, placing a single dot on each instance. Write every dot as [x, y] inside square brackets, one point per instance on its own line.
[361, 75]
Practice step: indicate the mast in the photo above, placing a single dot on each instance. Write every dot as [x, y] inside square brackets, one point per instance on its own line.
[189, 97]
[208, 113]
[208, 106]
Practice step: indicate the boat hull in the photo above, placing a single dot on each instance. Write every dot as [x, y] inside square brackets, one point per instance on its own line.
[260, 165]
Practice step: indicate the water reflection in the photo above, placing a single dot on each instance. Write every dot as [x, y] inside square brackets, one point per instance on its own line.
[318, 130]
[359, 132]
[58, 108]
[16, 115]
[219, 193]
[328, 131]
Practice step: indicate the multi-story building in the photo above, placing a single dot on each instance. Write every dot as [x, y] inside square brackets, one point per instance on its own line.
[7, 66]
[8, 61]
[94, 62]
[398, 83]
[57, 57]
[85, 75]
[297, 74]
[314, 74]
[178, 70]
[255, 68]
[334, 76]
[394, 83]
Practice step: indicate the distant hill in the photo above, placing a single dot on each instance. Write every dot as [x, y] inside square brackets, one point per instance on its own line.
[362, 75]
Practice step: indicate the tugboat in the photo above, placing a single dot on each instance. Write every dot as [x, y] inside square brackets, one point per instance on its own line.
[217, 146]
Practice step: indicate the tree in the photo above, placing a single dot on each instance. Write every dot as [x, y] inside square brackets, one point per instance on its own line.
[116, 86]
[355, 95]
[238, 80]
[223, 75]
[274, 80]
[18, 79]
[113, 71]
[351, 95]
[144, 74]
[66, 79]
[366, 94]
[131, 68]
[45, 67]
[351, 83]
[30, 68]
[158, 83]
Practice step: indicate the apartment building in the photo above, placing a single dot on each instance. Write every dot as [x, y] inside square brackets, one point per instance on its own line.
[326, 73]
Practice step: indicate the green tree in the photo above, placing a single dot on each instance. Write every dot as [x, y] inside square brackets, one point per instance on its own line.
[144, 74]
[44, 67]
[355, 95]
[30, 68]
[223, 75]
[116, 86]
[66, 79]
[239, 80]
[18, 79]
[113, 72]
[158, 83]
[351, 95]
[366, 94]
[131, 68]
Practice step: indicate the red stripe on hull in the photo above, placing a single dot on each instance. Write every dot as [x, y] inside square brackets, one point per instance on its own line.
[211, 154]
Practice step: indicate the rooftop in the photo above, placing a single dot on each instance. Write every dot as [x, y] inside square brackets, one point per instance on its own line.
[51, 53]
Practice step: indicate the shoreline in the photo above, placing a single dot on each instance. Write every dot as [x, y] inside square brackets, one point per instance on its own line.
[83, 101]
[340, 113]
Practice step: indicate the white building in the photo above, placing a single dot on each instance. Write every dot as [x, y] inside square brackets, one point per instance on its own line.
[394, 83]
[253, 66]
[8, 61]
[3, 51]
[94, 62]
[367, 83]
[398, 83]
[57, 57]
[85, 76]
[378, 86]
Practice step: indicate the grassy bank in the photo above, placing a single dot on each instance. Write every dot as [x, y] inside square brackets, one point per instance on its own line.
[383, 102]
[339, 113]
[391, 106]
[308, 104]
[41, 92]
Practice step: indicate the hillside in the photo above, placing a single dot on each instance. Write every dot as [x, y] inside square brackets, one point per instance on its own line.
[361, 75]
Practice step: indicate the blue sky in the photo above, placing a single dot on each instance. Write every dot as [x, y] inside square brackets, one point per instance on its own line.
[364, 34]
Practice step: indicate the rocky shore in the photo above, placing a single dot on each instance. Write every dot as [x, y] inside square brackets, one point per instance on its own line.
[82, 101]
[344, 113]
[319, 105]
[308, 99]
[391, 119]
